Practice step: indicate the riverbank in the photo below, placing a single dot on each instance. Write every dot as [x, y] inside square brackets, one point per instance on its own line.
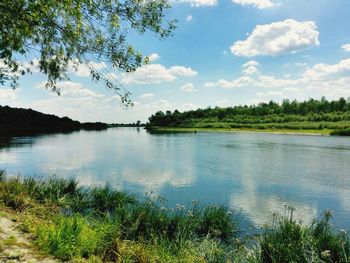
[324, 132]
[101, 224]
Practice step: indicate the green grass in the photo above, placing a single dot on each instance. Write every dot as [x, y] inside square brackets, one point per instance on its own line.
[102, 224]
[287, 240]
[70, 222]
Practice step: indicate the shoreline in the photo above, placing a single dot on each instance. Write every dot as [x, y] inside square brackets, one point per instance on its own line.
[325, 132]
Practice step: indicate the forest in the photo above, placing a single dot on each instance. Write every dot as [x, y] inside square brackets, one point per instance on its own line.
[306, 115]
[18, 121]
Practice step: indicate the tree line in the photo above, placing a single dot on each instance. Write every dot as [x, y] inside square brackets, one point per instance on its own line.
[23, 121]
[312, 113]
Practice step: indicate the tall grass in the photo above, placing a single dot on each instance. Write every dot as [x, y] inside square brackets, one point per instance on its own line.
[287, 240]
[102, 224]
[112, 225]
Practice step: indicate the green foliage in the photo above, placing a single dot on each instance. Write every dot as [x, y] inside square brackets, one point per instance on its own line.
[112, 226]
[17, 121]
[217, 222]
[67, 32]
[2, 175]
[287, 240]
[336, 245]
[307, 115]
[12, 193]
[108, 200]
[151, 218]
[67, 237]
[342, 132]
[99, 220]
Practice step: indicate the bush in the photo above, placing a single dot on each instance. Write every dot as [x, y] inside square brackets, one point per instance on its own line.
[343, 132]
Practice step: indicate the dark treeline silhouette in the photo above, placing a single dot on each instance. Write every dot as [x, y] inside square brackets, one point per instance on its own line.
[311, 114]
[15, 121]
[135, 124]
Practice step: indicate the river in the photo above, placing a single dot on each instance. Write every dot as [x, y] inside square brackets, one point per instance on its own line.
[260, 173]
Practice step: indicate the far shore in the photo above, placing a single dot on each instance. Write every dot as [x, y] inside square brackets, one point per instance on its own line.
[324, 132]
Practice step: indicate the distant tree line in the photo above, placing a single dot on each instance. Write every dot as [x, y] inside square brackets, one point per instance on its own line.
[22, 121]
[135, 124]
[311, 114]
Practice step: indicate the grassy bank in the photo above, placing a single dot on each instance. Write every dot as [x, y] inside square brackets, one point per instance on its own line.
[101, 224]
[324, 132]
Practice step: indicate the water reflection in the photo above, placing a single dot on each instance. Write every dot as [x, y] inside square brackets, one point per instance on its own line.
[259, 172]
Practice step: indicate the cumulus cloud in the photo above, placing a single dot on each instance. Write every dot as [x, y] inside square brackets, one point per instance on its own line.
[346, 47]
[146, 96]
[72, 89]
[156, 73]
[325, 71]
[330, 80]
[277, 38]
[153, 57]
[229, 84]
[7, 94]
[197, 3]
[188, 87]
[250, 68]
[84, 69]
[261, 4]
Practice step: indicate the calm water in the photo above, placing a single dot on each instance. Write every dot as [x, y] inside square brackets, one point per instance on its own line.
[259, 172]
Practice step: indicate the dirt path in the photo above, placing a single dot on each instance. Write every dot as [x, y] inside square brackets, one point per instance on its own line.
[15, 247]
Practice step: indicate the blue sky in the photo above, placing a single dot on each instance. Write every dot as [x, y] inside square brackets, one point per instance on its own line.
[223, 53]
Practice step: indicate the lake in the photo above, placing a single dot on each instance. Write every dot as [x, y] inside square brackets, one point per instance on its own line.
[260, 173]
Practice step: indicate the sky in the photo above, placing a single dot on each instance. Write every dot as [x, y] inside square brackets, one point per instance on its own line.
[223, 53]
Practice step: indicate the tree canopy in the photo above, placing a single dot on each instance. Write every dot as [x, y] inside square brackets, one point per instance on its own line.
[310, 114]
[64, 32]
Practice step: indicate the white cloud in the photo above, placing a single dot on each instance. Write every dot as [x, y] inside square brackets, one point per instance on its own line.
[227, 84]
[146, 96]
[277, 38]
[189, 18]
[188, 87]
[270, 94]
[346, 47]
[330, 80]
[84, 69]
[266, 81]
[72, 89]
[153, 57]
[182, 71]
[197, 3]
[261, 4]
[326, 71]
[250, 67]
[7, 94]
[156, 73]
